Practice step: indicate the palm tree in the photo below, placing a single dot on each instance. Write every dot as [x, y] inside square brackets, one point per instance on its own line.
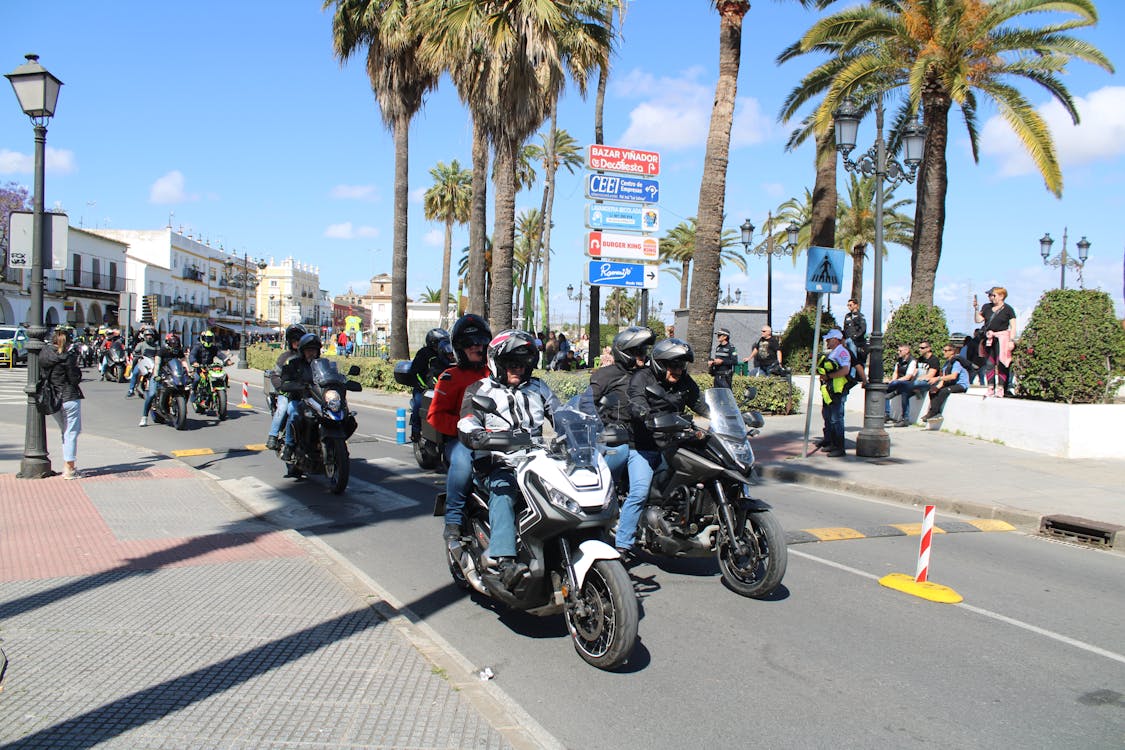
[855, 225]
[678, 246]
[434, 295]
[560, 149]
[400, 80]
[448, 201]
[529, 231]
[946, 53]
[621, 307]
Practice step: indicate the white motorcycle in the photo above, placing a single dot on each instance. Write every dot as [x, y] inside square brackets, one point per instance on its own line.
[569, 505]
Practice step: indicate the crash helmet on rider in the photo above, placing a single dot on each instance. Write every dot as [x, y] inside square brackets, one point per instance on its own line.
[172, 340]
[509, 350]
[309, 341]
[631, 343]
[293, 334]
[670, 354]
[469, 330]
[147, 333]
[435, 335]
[207, 338]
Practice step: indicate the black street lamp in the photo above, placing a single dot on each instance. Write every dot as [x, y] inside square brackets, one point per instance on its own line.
[873, 441]
[38, 93]
[246, 280]
[571, 296]
[1062, 260]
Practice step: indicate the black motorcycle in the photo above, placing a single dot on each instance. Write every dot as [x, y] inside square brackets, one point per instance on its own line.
[173, 388]
[429, 449]
[115, 359]
[700, 505]
[324, 425]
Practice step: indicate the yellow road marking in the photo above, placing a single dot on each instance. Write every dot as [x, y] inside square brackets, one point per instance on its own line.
[928, 590]
[835, 534]
[991, 524]
[256, 447]
[912, 529]
[193, 452]
[245, 406]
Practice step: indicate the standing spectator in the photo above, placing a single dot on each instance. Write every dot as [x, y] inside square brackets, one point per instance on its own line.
[855, 338]
[60, 366]
[564, 347]
[341, 343]
[998, 340]
[833, 370]
[607, 356]
[765, 357]
[954, 378]
[926, 377]
[550, 350]
[582, 351]
[724, 359]
[902, 378]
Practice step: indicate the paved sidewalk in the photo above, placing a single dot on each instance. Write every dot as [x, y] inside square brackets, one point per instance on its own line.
[142, 607]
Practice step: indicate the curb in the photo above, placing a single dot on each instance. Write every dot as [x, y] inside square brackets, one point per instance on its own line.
[1019, 518]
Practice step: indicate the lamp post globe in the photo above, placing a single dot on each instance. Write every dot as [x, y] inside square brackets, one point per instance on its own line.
[38, 93]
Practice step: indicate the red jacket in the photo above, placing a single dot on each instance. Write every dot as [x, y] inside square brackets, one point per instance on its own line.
[449, 392]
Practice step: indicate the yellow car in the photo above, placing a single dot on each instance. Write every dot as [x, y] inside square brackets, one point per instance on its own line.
[13, 338]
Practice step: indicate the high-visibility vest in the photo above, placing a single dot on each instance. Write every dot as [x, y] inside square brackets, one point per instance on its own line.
[834, 386]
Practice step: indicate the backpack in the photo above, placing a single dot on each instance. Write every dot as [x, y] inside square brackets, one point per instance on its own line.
[48, 400]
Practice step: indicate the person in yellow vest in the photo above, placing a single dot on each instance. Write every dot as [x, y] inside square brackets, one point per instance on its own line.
[833, 368]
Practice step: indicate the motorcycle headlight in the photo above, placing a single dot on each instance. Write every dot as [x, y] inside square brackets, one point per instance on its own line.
[741, 452]
[563, 501]
[332, 400]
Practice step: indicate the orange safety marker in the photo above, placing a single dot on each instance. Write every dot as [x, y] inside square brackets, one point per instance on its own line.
[920, 585]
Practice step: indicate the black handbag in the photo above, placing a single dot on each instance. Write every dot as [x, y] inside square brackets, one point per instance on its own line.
[48, 400]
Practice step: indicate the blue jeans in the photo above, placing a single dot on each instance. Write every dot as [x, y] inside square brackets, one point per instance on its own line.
[150, 394]
[279, 414]
[902, 388]
[919, 386]
[458, 480]
[69, 419]
[833, 414]
[640, 477]
[290, 424]
[501, 512]
[415, 413]
[133, 377]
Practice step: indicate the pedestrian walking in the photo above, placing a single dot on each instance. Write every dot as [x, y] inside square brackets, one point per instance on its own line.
[60, 366]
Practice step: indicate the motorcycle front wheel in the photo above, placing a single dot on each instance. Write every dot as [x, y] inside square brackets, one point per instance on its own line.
[758, 571]
[221, 405]
[337, 464]
[603, 622]
[119, 373]
[177, 411]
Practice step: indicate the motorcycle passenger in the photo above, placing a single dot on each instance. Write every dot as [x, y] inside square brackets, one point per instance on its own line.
[293, 336]
[145, 348]
[667, 368]
[630, 353]
[172, 349]
[203, 353]
[103, 351]
[429, 362]
[469, 337]
[296, 376]
[522, 402]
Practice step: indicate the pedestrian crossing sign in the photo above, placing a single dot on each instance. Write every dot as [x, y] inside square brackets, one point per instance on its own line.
[825, 271]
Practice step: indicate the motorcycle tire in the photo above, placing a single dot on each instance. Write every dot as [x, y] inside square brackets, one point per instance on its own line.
[459, 579]
[758, 575]
[221, 405]
[605, 634]
[119, 373]
[426, 454]
[177, 410]
[337, 464]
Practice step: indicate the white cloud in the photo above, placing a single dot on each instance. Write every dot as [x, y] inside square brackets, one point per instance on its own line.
[55, 161]
[1098, 137]
[346, 231]
[435, 238]
[417, 195]
[774, 189]
[366, 193]
[170, 189]
[676, 112]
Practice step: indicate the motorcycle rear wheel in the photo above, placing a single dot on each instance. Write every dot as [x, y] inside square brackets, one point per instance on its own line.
[119, 373]
[606, 632]
[221, 405]
[177, 410]
[459, 579]
[755, 575]
[337, 464]
[426, 454]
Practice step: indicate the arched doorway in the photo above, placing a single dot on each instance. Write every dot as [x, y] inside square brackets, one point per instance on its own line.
[94, 319]
[51, 317]
[7, 314]
[79, 316]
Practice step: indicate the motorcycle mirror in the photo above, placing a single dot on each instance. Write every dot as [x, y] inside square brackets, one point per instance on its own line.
[655, 390]
[353, 385]
[749, 393]
[610, 401]
[353, 371]
[484, 403]
[753, 419]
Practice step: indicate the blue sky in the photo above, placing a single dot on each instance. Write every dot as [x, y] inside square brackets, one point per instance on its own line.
[235, 119]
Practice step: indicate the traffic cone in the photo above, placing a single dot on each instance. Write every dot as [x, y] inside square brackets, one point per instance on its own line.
[245, 397]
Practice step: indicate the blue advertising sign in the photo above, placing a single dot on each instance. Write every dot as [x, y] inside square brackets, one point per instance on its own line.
[825, 272]
[612, 187]
[634, 275]
[622, 216]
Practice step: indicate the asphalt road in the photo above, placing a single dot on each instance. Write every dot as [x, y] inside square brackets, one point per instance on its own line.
[1034, 656]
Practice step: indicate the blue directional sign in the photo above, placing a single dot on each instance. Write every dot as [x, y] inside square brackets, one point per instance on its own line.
[623, 216]
[825, 271]
[612, 187]
[634, 275]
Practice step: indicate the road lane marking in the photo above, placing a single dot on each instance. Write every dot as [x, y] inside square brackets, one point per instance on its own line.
[192, 452]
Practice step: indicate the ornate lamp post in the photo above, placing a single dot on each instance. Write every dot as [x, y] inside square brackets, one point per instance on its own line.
[572, 296]
[1062, 260]
[872, 440]
[38, 93]
[791, 232]
[246, 280]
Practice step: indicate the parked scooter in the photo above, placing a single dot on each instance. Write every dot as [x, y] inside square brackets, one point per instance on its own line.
[568, 508]
[700, 505]
[324, 425]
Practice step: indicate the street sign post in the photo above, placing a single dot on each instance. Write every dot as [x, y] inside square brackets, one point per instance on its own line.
[623, 217]
[630, 275]
[609, 187]
[626, 160]
[825, 271]
[56, 230]
[623, 246]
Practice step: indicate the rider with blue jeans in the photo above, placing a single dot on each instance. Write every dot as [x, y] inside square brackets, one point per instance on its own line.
[293, 335]
[296, 376]
[146, 347]
[661, 388]
[171, 350]
[609, 386]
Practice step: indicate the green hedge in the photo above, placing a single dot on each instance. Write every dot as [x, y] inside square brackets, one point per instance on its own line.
[797, 340]
[912, 324]
[374, 372]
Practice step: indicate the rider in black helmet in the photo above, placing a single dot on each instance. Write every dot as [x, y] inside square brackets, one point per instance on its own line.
[293, 335]
[675, 390]
[295, 378]
[430, 361]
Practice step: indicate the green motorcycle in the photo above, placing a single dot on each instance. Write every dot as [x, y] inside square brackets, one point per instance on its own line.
[211, 391]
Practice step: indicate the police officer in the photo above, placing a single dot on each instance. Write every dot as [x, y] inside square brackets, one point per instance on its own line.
[833, 368]
[723, 362]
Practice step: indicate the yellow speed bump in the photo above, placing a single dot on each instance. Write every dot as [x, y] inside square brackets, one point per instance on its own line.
[928, 590]
[193, 452]
[835, 534]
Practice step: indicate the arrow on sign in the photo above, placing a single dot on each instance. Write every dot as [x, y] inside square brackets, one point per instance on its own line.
[651, 275]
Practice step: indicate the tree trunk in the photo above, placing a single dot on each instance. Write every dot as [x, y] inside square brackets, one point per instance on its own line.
[503, 235]
[478, 218]
[858, 253]
[929, 213]
[599, 138]
[446, 261]
[685, 279]
[400, 342]
[712, 190]
[824, 203]
[547, 212]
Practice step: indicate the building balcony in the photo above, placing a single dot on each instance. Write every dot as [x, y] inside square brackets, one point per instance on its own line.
[89, 280]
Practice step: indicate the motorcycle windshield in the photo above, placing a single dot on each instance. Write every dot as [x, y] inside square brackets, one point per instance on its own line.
[324, 373]
[726, 419]
[580, 434]
[176, 368]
